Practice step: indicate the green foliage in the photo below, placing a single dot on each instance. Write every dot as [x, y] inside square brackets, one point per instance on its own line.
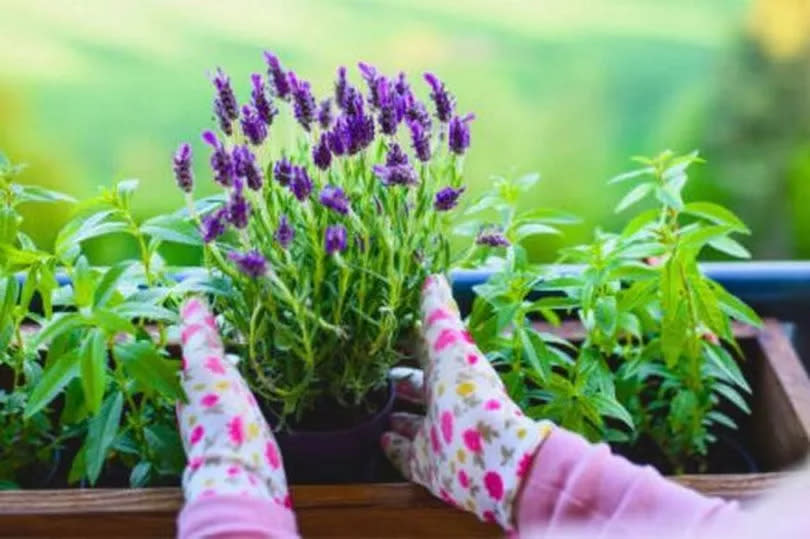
[656, 359]
[91, 357]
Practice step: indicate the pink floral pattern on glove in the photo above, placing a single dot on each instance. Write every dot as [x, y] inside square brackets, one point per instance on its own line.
[474, 445]
[230, 448]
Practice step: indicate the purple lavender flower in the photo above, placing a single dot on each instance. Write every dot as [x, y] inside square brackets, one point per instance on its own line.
[371, 77]
[458, 134]
[401, 86]
[245, 166]
[213, 225]
[303, 103]
[321, 155]
[220, 161]
[253, 264]
[341, 89]
[325, 116]
[225, 95]
[338, 137]
[395, 156]
[334, 198]
[301, 184]
[442, 99]
[492, 237]
[224, 122]
[238, 206]
[354, 101]
[387, 107]
[415, 111]
[396, 175]
[420, 140]
[280, 86]
[284, 233]
[334, 239]
[359, 129]
[283, 171]
[254, 128]
[447, 198]
[182, 168]
[264, 107]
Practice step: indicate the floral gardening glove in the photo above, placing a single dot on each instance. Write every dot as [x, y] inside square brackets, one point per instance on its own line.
[474, 446]
[230, 448]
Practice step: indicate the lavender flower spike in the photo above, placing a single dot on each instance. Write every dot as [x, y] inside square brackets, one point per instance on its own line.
[396, 175]
[341, 89]
[303, 103]
[325, 116]
[264, 107]
[492, 237]
[220, 161]
[284, 233]
[225, 95]
[442, 99]
[387, 107]
[280, 84]
[447, 198]
[283, 171]
[238, 206]
[334, 198]
[213, 225]
[252, 263]
[321, 155]
[245, 166]
[335, 239]
[301, 184]
[395, 156]
[371, 76]
[338, 137]
[254, 128]
[420, 140]
[182, 168]
[458, 134]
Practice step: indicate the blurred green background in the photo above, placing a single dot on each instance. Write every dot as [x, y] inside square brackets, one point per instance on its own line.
[96, 91]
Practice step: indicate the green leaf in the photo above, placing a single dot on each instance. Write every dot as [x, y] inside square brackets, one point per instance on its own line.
[140, 475]
[635, 195]
[93, 368]
[606, 314]
[59, 324]
[153, 313]
[639, 222]
[165, 443]
[530, 346]
[553, 302]
[33, 193]
[670, 196]
[533, 229]
[101, 432]
[83, 283]
[698, 237]
[84, 228]
[484, 203]
[721, 418]
[125, 189]
[641, 251]
[734, 307]
[9, 220]
[731, 394]
[716, 214]
[646, 171]
[468, 228]
[726, 365]
[143, 362]
[610, 407]
[731, 247]
[112, 322]
[8, 297]
[548, 215]
[524, 183]
[109, 281]
[172, 229]
[54, 379]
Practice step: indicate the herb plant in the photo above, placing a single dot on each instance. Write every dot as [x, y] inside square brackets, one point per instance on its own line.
[322, 245]
[91, 372]
[656, 361]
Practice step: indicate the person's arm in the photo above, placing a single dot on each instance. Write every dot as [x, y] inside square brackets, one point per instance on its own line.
[234, 481]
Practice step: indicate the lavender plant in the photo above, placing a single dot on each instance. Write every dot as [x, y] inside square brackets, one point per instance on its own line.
[323, 244]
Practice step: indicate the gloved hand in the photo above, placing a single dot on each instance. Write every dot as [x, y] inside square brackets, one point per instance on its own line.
[474, 446]
[230, 448]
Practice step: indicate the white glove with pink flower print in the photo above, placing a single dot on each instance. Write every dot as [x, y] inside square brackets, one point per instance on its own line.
[474, 446]
[230, 448]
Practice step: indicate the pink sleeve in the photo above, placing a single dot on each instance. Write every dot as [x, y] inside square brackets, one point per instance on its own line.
[581, 487]
[227, 516]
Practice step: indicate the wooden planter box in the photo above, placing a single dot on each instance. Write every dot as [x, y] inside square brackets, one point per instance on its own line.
[779, 423]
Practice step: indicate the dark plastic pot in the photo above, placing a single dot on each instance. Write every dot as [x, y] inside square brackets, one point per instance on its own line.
[337, 456]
